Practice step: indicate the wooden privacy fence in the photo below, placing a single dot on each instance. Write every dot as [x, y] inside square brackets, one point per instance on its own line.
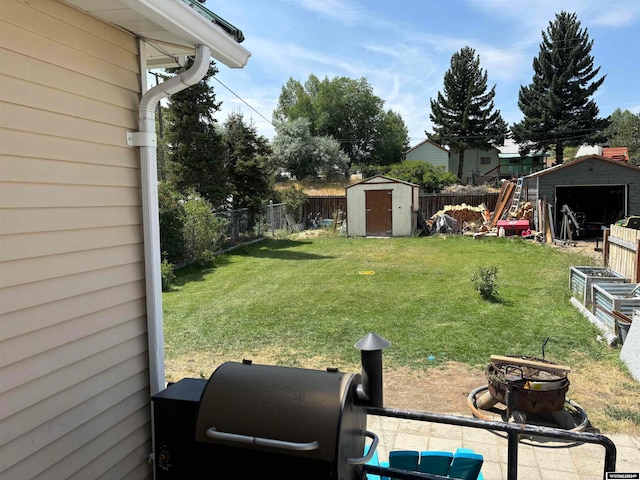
[328, 206]
[622, 251]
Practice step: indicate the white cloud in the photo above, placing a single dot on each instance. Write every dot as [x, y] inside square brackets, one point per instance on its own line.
[340, 10]
[617, 17]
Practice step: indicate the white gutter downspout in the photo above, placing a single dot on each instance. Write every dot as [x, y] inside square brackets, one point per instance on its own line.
[146, 140]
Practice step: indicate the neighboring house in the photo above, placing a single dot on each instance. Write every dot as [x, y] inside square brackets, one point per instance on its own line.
[479, 165]
[476, 162]
[81, 342]
[429, 152]
[585, 150]
[513, 165]
[602, 190]
[616, 153]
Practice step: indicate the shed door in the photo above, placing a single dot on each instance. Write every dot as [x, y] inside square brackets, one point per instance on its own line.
[378, 213]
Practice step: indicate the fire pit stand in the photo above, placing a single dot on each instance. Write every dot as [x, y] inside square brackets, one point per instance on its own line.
[531, 389]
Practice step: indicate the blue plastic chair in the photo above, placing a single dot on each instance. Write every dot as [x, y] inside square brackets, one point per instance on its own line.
[375, 460]
[466, 465]
[404, 459]
[435, 462]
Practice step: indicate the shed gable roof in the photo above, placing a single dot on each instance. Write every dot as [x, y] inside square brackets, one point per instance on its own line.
[378, 179]
[580, 160]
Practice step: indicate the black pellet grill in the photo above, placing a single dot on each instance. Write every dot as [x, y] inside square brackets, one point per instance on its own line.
[249, 421]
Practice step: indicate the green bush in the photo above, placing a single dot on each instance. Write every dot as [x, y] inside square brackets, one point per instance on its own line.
[203, 232]
[431, 178]
[295, 199]
[485, 282]
[171, 215]
[167, 274]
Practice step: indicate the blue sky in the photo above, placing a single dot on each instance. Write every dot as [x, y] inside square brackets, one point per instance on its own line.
[404, 47]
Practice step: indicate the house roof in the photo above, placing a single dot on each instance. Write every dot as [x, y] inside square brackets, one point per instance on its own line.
[580, 160]
[427, 141]
[172, 29]
[511, 149]
[588, 150]
[617, 153]
[382, 177]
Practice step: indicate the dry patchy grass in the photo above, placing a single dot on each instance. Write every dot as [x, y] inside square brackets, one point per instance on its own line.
[445, 388]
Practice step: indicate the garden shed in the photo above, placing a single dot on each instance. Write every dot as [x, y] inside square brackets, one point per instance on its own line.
[598, 190]
[381, 206]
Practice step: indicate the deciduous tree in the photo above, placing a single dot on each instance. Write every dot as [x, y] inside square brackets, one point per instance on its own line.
[347, 110]
[624, 131]
[303, 154]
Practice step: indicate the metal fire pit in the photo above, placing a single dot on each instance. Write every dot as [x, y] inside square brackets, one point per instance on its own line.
[527, 384]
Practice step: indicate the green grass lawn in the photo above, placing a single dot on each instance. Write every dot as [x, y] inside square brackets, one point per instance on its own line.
[307, 297]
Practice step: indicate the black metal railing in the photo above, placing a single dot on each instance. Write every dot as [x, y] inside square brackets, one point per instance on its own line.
[513, 430]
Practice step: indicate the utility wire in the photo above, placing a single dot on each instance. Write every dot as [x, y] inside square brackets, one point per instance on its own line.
[243, 101]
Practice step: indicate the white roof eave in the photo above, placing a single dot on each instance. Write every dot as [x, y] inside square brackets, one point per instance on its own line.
[172, 26]
[186, 23]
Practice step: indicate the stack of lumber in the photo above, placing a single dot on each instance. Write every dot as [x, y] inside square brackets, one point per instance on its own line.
[503, 202]
[463, 213]
[523, 212]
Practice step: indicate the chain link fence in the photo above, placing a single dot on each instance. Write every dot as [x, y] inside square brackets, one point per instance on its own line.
[244, 224]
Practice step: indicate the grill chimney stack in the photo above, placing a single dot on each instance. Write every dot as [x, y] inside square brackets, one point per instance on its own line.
[370, 391]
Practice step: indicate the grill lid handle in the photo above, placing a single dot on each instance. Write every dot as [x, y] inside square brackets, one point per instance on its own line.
[370, 452]
[260, 441]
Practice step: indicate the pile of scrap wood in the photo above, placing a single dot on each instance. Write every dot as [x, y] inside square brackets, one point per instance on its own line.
[479, 219]
[466, 216]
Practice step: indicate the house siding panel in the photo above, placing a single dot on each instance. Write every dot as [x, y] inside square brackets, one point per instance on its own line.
[34, 220]
[429, 153]
[74, 380]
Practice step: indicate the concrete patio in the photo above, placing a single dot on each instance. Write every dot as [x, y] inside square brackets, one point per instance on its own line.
[536, 460]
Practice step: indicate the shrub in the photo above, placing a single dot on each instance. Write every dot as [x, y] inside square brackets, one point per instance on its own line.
[431, 178]
[485, 282]
[203, 232]
[167, 274]
[171, 216]
[295, 199]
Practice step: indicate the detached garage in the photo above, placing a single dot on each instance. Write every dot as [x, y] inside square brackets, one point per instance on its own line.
[381, 206]
[599, 190]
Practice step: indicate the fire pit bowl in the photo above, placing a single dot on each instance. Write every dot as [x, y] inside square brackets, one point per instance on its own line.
[527, 384]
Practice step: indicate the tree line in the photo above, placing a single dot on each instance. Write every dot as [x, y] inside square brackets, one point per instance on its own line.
[332, 127]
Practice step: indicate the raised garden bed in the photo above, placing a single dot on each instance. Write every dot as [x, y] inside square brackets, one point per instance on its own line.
[582, 279]
[620, 297]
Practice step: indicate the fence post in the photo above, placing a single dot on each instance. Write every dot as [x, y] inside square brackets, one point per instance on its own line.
[637, 261]
[273, 233]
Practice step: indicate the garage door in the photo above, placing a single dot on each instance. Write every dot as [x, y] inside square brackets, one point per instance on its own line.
[595, 206]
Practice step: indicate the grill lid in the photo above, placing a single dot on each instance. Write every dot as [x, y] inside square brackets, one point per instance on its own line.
[289, 410]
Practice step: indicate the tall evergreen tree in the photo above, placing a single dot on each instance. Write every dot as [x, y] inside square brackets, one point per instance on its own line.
[464, 116]
[558, 107]
[195, 144]
[247, 163]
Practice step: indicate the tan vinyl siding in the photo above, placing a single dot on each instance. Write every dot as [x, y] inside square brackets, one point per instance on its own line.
[74, 379]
